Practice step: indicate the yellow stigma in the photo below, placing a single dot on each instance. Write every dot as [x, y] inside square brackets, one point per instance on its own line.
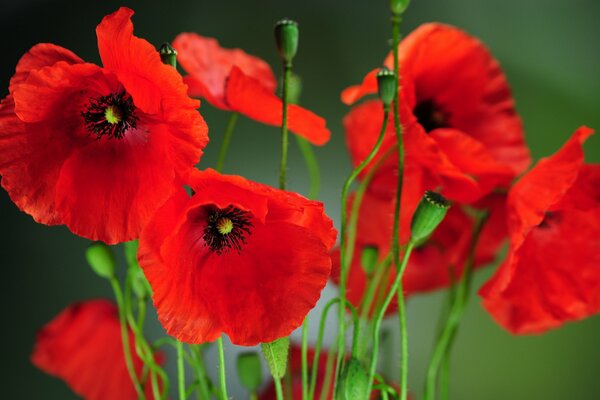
[224, 225]
[113, 115]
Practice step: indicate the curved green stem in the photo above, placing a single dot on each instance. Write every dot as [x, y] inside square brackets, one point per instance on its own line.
[304, 350]
[200, 370]
[287, 71]
[403, 340]
[381, 313]
[125, 337]
[222, 378]
[180, 371]
[343, 251]
[446, 338]
[312, 165]
[226, 140]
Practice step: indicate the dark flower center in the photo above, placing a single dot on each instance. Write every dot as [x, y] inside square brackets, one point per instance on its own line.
[226, 228]
[112, 115]
[430, 116]
[550, 220]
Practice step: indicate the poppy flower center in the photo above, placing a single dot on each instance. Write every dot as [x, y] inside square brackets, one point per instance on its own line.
[430, 116]
[111, 116]
[226, 228]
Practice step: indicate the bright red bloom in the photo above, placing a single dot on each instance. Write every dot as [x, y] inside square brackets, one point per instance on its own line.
[433, 263]
[458, 116]
[82, 346]
[236, 81]
[552, 272]
[237, 257]
[97, 149]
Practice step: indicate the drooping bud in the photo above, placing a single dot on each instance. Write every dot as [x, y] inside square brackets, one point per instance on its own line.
[249, 370]
[168, 54]
[368, 259]
[399, 6]
[276, 355]
[386, 85]
[429, 214]
[286, 38]
[353, 381]
[100, 258]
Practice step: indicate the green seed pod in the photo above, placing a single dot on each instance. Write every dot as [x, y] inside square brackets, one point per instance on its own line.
[353, 381]
[399, 6]
[286, 38]
[276, 354]
[100, 258]
[249, 370]
[368, 259]
[386, 85]
[429, 213]
[168, 54]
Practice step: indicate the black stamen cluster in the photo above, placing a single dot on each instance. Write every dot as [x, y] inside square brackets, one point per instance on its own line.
[219, 242]
[430, 116]
[95, 116]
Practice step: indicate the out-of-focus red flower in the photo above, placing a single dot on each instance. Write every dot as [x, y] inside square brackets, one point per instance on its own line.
[97, 149]
[552, 272]
[231, 79]
[434, 263]
[83, 347]
[237, 257]
[458, 116]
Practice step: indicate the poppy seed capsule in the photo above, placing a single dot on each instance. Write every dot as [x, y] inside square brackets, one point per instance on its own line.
[399, 6]
[353, 382]
[386, 86]
[368, 259]
[168, 54]
[429, 214]
[286, 38]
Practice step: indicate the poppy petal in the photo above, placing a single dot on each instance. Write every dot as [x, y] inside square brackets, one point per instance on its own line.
[247, 96]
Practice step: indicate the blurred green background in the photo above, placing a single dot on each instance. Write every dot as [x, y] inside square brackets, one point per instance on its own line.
[548, 49]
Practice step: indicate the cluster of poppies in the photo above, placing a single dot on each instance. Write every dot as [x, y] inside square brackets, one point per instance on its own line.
[110, 152]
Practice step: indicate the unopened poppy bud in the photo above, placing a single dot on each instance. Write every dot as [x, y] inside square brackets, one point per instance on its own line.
[276, 355]
[353, 381]
[429, 214]
[100, 258]
[139, 283]
[368, 259]
[168, 54]
[286, 38]
[386, 85]
[249, 370]
[398, 6]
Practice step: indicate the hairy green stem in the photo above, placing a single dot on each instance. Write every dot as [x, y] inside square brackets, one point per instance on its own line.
[226, 140]
[287, 71]
[304, 350]
[312, 165]
[222, 377]
[200, 370]
[180, 371]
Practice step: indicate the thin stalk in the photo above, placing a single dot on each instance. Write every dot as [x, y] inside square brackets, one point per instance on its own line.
[287, 72]
[381, 313]
[222, 378]
[125, 338]
[396, 231]
[312, 164]
[446, 338]
[278, 389]
[200, 371]
[304, 350]
[180, 371]
[329, 365]
[226, 140]
[343, 251]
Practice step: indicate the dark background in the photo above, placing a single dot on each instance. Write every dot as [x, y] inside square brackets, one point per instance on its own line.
[548, 49]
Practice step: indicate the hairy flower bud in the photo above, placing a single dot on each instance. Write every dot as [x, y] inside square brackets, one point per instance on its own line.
[398, 6]
[249, 370]
[429, 214]
[286, 38]
[368, 259]
[386, 85]
[168, 54]
[353, 381]
[276, 354]
[101, 260]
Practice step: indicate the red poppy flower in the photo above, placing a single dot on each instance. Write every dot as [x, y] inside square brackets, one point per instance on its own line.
[97, 148]
[83, 346]
[456, 110]
[552, 272]
[433, 263]
[237, 257]
[236, 81]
